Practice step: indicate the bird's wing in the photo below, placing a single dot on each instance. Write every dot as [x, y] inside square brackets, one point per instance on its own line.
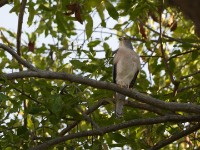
[134, 79]
[114, 73]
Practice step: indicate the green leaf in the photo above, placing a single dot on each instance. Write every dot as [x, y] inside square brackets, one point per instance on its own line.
[44, 7]
[35, 110]
[3, 97]
[16, 7]
[60, 23]
[103, 23]
[89, 27]
[111, 10]
[172, 65]
[21, 130]
[107, 50]
[195, 55]
[100, 10]
[118, 137]
[32, 13]
[56, 104]
[76, 63]
[119, 26]
[53, 119]
[138, 10]
[94, 43]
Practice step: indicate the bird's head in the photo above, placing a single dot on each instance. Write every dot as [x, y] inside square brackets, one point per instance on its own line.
[125, 41]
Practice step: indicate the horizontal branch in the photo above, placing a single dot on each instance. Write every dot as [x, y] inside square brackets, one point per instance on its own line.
[112, 128]
[189, 75]
[173, 106]
[188, 88]
[129, 103]
[176, 137]
[148, 107]
[174, 56]
[171, 38]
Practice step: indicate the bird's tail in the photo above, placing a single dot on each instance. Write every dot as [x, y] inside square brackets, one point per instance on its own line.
[120, 100]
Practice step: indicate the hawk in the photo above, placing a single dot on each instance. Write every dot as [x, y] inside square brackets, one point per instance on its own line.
[126, 66]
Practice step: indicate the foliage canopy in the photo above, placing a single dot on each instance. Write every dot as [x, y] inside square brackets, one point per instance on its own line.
[42, 108]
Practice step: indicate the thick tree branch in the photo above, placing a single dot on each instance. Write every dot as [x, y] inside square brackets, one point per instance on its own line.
[176, 137]
[128, 104]
[172, 106]
[113, 128]
[20, 21]
[17, 57]
[148, 107]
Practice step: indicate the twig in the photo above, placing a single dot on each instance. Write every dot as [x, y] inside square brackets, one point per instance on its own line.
[175, 137]
[188, 87]
[182, 54]
[19, 30]
[171, 38]
[185, 88]
[189, 75]
[172, 106]
[167, 67]
[28, 96]
[18, 58]
[112, 128]
[145, 56]
[87, 118]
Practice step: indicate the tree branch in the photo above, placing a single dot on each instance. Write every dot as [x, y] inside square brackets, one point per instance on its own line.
[148, 107]
[175, 137]
[28, 96]
[19, 32]
[128, 104]
[113, 128]
[167, 67]
[87, 118]
[20, 21]
[18, 58]
[188, 87]
[189, 75]
[172, 106]
[171, 38]
[182, 54]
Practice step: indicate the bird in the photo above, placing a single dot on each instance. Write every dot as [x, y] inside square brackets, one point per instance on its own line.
[126, 66]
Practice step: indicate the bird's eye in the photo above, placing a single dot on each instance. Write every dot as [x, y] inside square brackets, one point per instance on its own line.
[120, 38]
